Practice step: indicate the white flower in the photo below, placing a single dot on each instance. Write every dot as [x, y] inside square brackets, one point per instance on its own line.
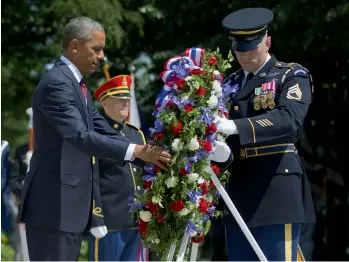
[175, 144]
[213, 101]
[193, 144]
[145, 216]
[188, 78]
[184, 211]
[192, 177]
[155, 241]
[217, 87]
[208, 198]
[185, 98]
[157, 200]
[201, 180]
[171, 182]
[216, 72]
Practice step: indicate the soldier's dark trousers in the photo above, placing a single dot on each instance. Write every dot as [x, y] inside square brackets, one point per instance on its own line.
[277, 242]
[117, 246]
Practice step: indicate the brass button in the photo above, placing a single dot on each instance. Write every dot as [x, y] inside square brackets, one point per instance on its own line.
[236, 108]
[286, 170]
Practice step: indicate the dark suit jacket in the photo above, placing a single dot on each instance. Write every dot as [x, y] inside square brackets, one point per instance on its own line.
[57, 192]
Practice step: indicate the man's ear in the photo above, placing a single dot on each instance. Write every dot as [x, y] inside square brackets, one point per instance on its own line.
[268, 43]
[74, 44]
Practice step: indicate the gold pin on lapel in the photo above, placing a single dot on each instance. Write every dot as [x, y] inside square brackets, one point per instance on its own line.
[263, 74]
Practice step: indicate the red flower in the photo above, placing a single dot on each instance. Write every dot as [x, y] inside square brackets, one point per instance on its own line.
[215, 169]
[188, 108]
[153, 208]
[196, 71]
[207, 146]
[180, 83]
[158, 136]
[142, 227]
[212, 61]
[147, 184]
[199, 141]
[182, 171]
[226, 114]
[177, 129]
[203, 205]
[177, 205]
[201, 91]
[212, 185]
[159, 219]
[197, 239]
[156, 169]
[210, 204]
[204, 188]
[211, 129]
[170, 103]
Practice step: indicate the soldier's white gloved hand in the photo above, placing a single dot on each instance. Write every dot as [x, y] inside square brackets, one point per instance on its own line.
[99, 232]
[221, 152]
[225, 126]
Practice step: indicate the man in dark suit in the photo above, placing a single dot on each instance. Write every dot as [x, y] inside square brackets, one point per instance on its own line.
[269, 102]
[69, 134]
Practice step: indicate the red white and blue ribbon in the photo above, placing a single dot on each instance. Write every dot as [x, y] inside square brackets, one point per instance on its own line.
[177, 68]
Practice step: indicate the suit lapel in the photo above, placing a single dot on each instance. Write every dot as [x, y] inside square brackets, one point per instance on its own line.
[65, 69]
[257, 80]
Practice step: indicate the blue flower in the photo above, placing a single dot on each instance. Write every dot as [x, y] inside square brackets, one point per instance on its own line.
[148, 178]
[193, 195]
[134, 204]
[188, 165]
[191, 227]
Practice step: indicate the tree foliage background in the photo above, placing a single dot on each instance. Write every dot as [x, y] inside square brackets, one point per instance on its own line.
[144, 34]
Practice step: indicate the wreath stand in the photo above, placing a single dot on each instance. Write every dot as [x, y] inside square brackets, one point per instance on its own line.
[238, 218]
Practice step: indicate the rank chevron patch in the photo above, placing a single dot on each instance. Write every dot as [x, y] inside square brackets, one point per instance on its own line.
[294, 92]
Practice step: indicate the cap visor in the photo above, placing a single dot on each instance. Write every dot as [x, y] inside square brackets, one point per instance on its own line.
[244, 46]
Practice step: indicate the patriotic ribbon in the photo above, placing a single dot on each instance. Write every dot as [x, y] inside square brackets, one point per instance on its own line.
[177, 68]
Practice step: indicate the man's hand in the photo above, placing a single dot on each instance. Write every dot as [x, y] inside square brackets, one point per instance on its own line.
[225, 126]
[221, 152]
[99, 232]
[154, 154]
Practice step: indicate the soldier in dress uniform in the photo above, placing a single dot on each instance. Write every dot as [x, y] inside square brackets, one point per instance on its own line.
[269, 101]
[117, 184]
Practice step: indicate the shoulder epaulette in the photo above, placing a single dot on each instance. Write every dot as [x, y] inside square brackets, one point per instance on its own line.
[130, 125]
[139, 130]
[292, 66]
[296, 68]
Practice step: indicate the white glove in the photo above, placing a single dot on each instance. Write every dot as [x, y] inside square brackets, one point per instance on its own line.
[226, 126]
[99, 232]
[221, 152]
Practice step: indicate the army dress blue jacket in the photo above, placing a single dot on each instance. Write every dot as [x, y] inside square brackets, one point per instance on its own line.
[118, 183]
[268, 183]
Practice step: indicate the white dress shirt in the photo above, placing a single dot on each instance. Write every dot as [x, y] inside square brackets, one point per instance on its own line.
[78, 76]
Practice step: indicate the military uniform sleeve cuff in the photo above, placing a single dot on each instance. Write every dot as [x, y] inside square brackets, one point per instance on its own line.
[129, 153]
[247, 132]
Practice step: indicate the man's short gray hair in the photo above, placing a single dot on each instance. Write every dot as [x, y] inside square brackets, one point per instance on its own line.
[80, 28]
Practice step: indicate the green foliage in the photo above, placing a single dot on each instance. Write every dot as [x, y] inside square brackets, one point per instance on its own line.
[312, 33]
